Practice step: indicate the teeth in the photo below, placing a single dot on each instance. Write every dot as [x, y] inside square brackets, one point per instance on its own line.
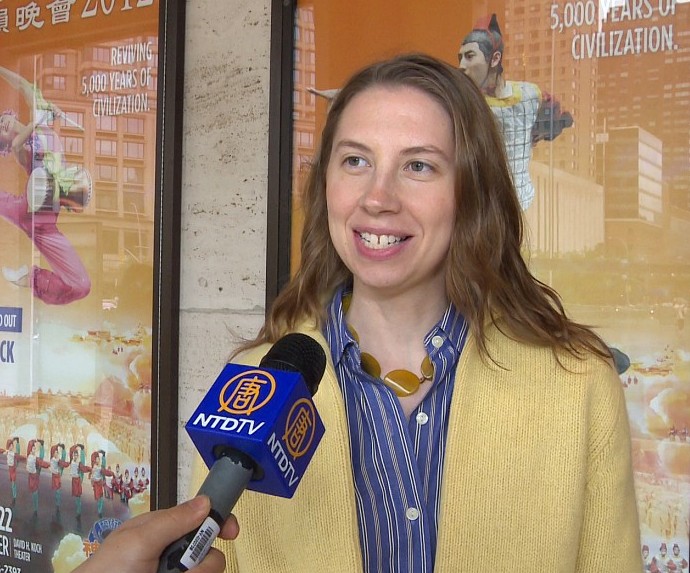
[379, 241]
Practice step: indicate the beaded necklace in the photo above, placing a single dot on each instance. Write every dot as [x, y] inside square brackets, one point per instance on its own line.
[402, 382]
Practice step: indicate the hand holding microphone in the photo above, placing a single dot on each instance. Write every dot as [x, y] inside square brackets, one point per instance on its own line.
[137, 544]
[256, 429]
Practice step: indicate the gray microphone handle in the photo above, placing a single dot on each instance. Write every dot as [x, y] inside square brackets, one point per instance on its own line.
[224, 484]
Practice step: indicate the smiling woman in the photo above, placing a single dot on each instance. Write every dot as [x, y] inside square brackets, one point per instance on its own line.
[412, 250]
[601, 249]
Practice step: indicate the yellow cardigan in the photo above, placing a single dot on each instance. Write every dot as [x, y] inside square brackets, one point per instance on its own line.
[538, 476]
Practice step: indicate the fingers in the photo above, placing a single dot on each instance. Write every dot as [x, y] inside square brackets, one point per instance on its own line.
[181, 519]
[230, 529]
[166, 525]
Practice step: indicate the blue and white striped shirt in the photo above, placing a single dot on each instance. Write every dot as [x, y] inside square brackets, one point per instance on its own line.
[397, 464]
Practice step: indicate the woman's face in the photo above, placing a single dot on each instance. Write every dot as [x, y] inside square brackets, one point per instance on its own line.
[390, 189]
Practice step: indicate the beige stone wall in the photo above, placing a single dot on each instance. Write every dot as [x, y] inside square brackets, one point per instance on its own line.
[224, 182]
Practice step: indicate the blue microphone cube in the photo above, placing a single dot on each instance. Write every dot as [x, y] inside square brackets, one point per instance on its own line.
[266, 414]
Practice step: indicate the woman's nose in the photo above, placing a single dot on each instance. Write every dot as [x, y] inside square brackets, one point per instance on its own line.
[381, 193]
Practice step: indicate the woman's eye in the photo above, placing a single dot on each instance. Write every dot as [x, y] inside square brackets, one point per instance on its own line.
[354, 161]
[419, 166]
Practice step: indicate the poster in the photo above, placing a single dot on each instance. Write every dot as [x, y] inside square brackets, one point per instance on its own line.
[78, 101]
[595, 112]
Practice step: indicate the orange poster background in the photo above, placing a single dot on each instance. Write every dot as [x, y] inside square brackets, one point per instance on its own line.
[609, 224]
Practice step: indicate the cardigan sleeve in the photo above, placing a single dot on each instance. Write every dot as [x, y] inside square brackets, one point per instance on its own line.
[610, 539]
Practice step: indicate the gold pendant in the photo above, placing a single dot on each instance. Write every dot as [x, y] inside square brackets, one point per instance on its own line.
[427, 368]
[403, 382]
[370, 365]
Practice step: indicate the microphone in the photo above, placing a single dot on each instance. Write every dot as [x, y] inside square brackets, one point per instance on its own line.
[256, 428]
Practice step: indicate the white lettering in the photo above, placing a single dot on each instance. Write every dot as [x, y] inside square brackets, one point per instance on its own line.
[120, 105]
[227, 424]
[284, 464]
[616, 43]
[131, 54]
[4, 546]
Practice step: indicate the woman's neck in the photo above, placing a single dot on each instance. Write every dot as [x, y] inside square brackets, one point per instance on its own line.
[393, 327]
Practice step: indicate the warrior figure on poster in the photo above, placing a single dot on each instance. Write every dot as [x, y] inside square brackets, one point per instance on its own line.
[524, 114]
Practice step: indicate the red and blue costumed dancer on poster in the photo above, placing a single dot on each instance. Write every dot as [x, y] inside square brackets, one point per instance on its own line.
[13, 453]
[34, 463]
[50, 186]
[77, 469]
[127, 487]
[58, 463]
[98, 472]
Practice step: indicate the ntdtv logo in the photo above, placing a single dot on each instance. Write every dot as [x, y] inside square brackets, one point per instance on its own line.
[247, 392]
[299, 431]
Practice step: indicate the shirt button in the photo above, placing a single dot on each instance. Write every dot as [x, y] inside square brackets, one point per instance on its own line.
[437, 341]
[422, 418]
[412, 513]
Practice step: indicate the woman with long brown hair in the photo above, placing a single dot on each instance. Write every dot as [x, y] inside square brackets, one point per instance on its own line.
[470, 424]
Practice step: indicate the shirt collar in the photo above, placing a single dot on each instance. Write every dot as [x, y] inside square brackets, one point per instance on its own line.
[451, 329]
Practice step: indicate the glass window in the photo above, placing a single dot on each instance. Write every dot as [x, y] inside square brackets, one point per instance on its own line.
[106, 122]
[106, 200]
[133, 150]
[107, 147]
[134, 175]
[134, 125]
[73, 144]
[106, 172]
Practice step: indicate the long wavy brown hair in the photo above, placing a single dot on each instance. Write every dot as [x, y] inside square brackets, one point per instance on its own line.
[487, 278]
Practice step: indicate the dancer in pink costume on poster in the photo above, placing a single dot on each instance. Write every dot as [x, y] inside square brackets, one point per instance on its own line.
[12, 451]
[50, 186]
[117, 482]
[109, 479]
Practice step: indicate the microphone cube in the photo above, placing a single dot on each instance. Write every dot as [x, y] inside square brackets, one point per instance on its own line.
[266, 414]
